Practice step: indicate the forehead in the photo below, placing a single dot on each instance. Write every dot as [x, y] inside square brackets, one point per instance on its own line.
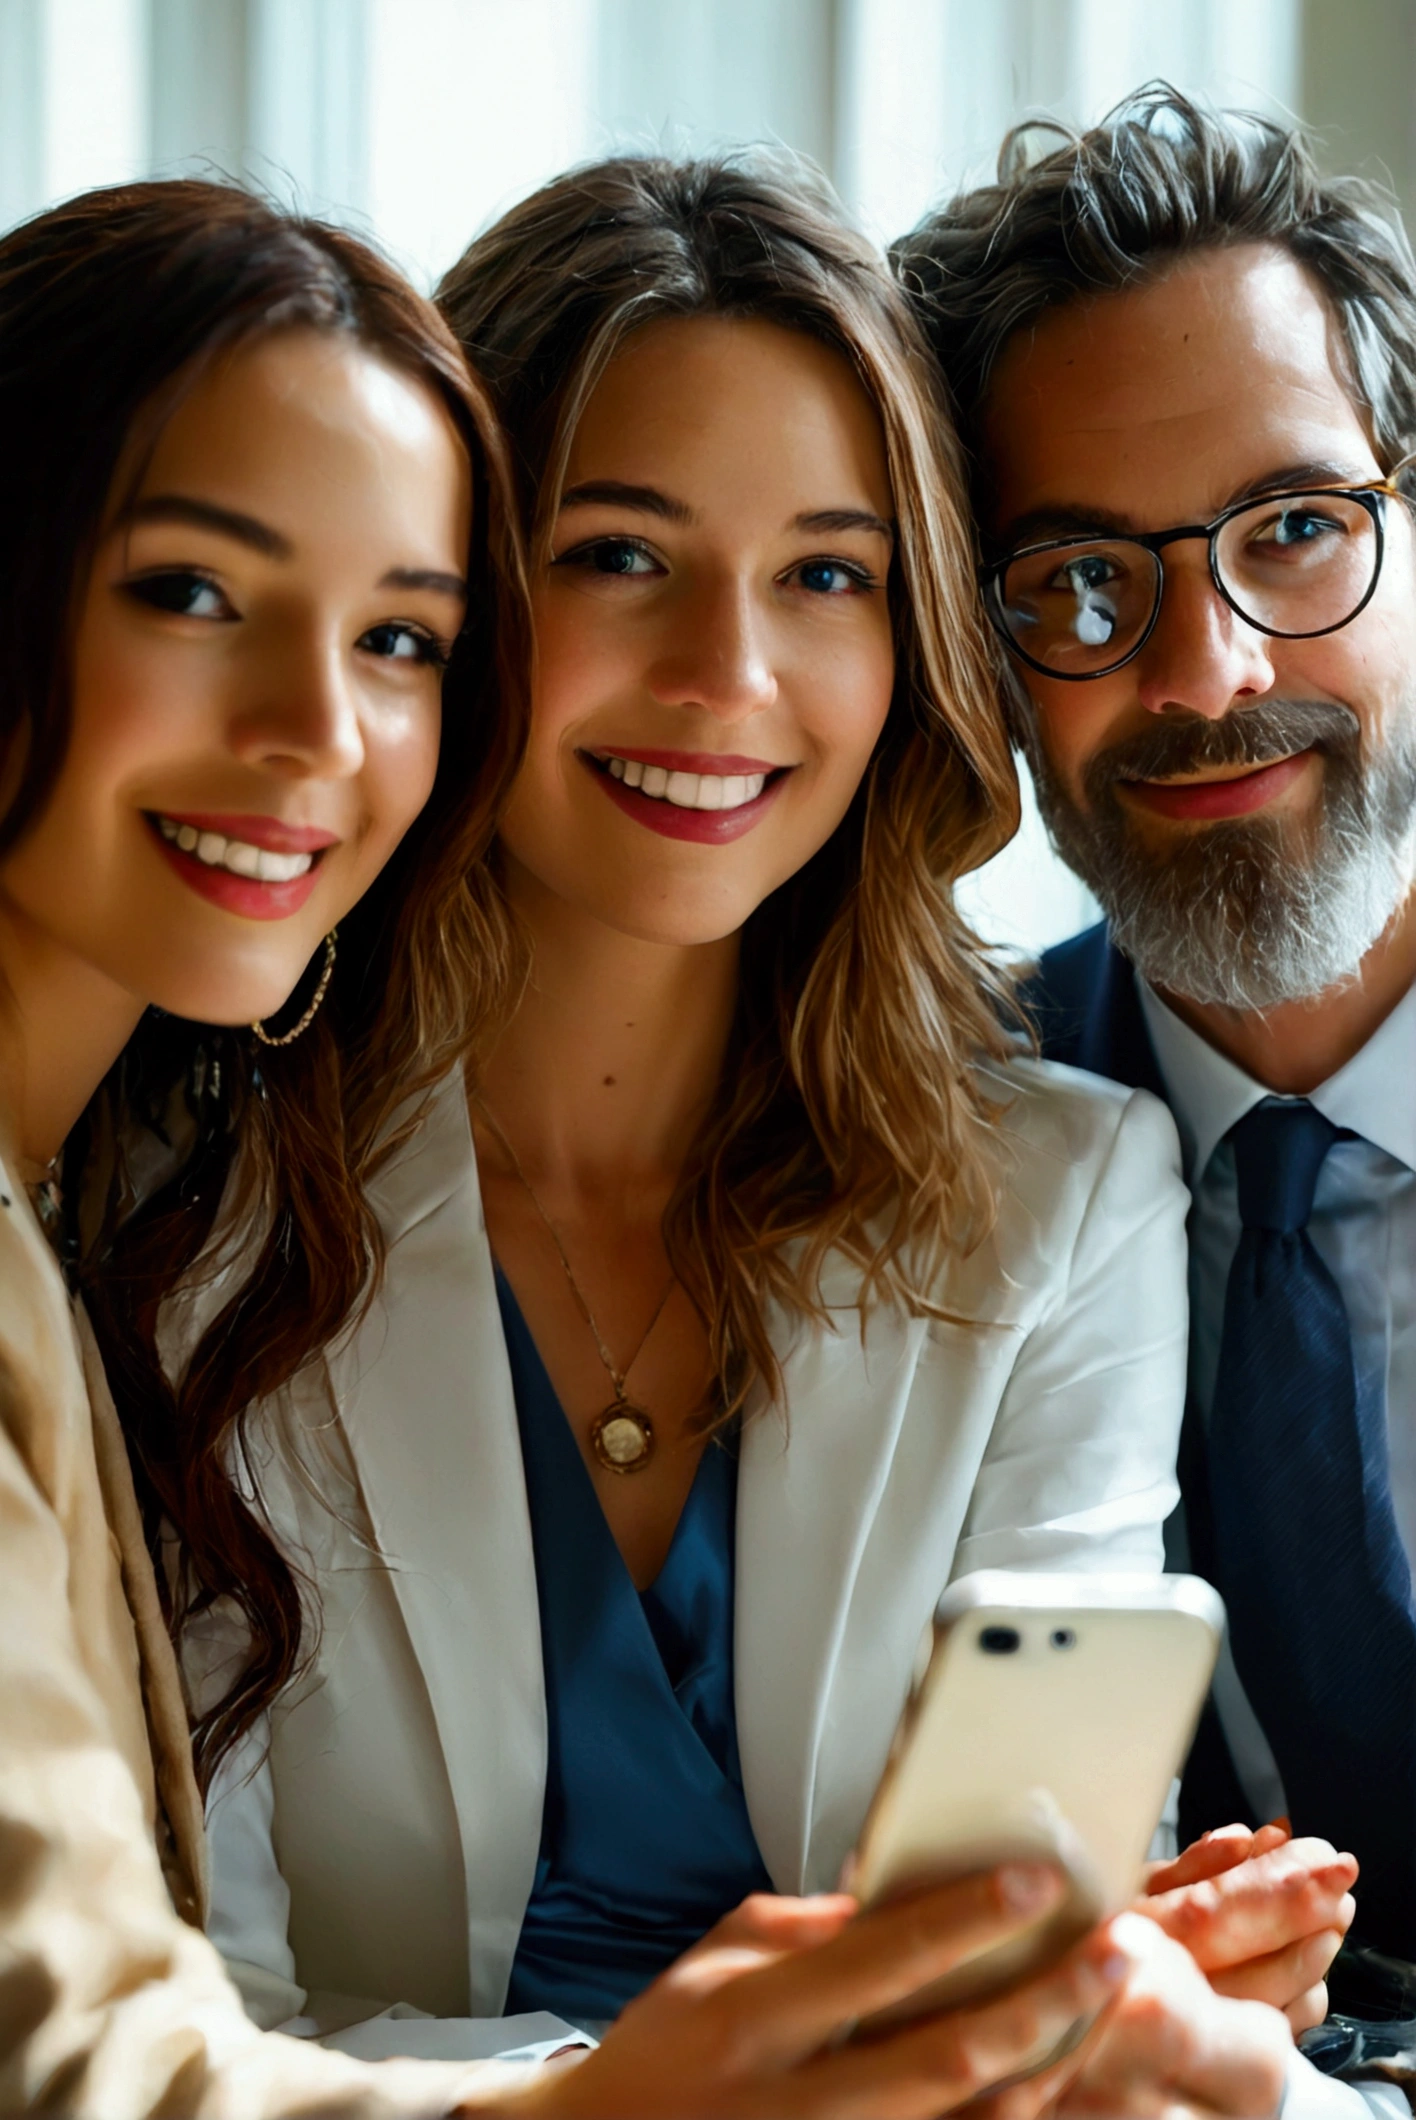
[731, 402]
[1159, 404]
[306, 420]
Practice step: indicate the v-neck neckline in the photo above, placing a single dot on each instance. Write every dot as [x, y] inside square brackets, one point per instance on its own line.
[693, 1500]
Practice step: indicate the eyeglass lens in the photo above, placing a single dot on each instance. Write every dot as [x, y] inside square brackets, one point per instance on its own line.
[1295, 566]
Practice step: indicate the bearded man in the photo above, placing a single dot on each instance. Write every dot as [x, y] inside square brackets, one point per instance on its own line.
[1185, 369]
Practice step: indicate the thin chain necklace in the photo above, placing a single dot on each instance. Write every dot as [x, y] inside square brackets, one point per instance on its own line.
[622, 1436]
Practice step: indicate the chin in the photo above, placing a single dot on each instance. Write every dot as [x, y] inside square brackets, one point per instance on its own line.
[226, 1004]
[679, 926]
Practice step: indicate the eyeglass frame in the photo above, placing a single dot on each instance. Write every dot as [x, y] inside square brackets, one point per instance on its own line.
[1368, 495]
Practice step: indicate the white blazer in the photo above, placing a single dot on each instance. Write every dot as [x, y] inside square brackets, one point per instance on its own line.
[386, 1846]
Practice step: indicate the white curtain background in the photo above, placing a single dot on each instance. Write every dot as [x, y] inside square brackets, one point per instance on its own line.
[419, 120]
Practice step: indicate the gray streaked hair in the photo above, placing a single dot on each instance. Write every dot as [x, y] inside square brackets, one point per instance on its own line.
[1158, 179]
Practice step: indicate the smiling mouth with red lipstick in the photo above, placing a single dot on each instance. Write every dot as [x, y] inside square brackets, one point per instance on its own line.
[706, 796]
[1226, 794]
[257, 866]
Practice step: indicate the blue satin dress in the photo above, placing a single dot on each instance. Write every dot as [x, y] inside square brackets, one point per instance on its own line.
[645, 1837]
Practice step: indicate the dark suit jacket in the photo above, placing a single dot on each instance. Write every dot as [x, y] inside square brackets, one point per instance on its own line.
[1084, 1003]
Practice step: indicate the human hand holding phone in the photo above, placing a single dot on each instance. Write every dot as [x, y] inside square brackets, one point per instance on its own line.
[1111, 2019]
[1170, 2048]
[745, 2026]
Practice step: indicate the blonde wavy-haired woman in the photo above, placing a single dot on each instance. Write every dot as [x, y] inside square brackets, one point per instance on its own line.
[747, 1286]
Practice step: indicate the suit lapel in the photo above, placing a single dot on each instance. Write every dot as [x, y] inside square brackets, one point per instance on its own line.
[1084, 1001]
[805, 1515]
[426, 1399]
[1115, 1040]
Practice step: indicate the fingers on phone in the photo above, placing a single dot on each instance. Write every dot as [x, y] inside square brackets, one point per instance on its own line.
[887, 1955]
[777, 1922]
[941, 2063]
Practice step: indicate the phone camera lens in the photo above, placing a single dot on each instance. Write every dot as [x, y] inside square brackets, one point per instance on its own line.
[999, 1641]
[1062, 1638]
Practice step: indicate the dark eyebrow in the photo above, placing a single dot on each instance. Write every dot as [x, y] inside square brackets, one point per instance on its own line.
[1074, 518]
[845, 519]
[614, 493]
[205, 515]
[248, 530]
[1293, 476]
[425, 578]
[1061, 519]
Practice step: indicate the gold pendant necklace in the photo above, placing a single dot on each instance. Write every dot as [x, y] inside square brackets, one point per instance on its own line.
[622, 1436]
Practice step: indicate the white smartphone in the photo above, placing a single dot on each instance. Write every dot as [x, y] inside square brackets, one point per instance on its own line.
[1049, 1719]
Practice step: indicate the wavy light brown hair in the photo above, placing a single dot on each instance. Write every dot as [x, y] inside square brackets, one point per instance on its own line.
[111, 307]
[850, 1116]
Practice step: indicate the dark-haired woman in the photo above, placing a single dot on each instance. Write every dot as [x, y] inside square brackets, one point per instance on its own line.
[253, 508]
[746, 1288]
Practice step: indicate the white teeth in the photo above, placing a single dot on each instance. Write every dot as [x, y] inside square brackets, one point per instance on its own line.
[688, 791]
[237, 855]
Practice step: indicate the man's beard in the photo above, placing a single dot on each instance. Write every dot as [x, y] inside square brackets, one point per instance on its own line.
[1246, 912]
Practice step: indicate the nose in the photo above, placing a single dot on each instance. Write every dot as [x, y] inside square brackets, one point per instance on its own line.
[717, 656]
[299, 717]
[1202, 657]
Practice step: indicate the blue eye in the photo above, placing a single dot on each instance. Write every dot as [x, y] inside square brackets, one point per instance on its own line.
[832, 577]
[183, 593]
[1301, 526]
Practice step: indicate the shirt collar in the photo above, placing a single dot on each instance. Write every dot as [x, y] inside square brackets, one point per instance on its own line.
[1371, 1095]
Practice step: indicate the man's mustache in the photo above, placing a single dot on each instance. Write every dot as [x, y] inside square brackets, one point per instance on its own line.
[1246, 736]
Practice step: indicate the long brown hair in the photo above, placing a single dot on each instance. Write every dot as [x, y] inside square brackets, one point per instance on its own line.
[850, 1116]
[110, 308]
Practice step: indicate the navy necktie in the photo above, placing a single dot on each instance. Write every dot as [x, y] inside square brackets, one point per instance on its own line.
[1306, 1548]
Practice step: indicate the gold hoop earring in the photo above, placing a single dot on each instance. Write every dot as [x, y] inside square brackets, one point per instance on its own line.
[313, 1010]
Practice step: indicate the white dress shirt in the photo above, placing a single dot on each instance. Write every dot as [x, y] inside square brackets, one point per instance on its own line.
[1363, 1227]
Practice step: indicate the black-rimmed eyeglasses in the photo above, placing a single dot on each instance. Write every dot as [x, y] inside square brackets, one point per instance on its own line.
[1292, 565]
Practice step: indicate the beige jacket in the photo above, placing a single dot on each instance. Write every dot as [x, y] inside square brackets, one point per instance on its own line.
[112, 2006]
